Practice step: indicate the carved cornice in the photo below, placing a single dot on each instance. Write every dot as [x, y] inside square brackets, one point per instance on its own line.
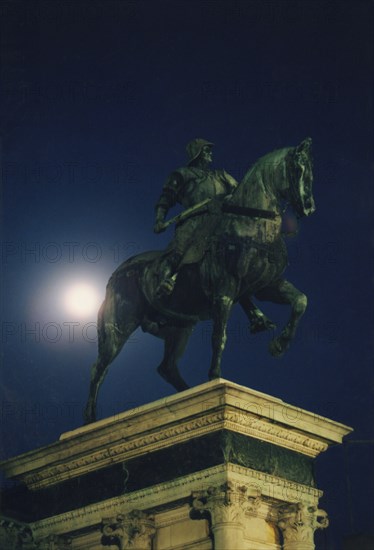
[271, 487]
[265, 430]
[240, 422]
[213, 406]
[123, 451]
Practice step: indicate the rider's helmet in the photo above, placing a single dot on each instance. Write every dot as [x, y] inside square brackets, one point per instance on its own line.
[194, 148]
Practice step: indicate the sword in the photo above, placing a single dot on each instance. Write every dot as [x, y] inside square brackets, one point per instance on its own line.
[186, 213]
[224, 207]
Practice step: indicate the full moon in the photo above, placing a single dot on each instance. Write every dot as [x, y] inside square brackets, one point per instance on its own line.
[81, 299]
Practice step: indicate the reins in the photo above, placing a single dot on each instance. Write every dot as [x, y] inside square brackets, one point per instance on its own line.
[228, 208]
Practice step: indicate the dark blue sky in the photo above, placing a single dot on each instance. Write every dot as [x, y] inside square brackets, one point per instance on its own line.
[99, 100]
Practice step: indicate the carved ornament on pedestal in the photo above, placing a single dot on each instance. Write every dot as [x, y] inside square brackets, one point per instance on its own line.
[16, 535]
[227, 503]
[298, 523]
[133, 530]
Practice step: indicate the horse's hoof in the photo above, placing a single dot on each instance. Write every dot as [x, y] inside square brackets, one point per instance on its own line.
[89, 417]
[172, 378]
[213, 375]
[275, 348]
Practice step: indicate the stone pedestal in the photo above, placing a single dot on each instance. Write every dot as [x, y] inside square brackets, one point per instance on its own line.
[218, 466]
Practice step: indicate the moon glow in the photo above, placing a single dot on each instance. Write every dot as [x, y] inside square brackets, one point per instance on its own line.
[81, 299]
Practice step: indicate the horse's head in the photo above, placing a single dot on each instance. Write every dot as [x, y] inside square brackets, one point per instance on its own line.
[300, 178]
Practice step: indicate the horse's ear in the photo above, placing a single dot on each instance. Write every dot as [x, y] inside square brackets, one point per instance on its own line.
[305, 145]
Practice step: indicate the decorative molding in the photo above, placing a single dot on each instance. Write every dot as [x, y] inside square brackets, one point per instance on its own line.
[125, 451]
[265, 430]
[244, 423]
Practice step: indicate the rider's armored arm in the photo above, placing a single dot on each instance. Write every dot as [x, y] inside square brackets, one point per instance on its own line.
[167, 200]
[161, 212]
[230, 182]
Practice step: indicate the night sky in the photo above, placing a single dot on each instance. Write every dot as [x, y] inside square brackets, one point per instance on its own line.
[99, 99]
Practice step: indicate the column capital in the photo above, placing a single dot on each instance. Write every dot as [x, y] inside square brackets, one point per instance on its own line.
[16, 535]
[132, 530]
[298, 523]
[226, 503]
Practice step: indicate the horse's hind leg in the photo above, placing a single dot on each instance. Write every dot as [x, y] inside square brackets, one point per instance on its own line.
[111, 341]
[176, 339]
[221, 312]
[283, 292]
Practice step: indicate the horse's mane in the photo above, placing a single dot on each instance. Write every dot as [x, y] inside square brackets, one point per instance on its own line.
[267, 164]
[262, 176]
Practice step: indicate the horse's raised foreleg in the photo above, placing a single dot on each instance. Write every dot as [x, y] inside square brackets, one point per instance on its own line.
[221, 312]
[175, 343]
[283, 292]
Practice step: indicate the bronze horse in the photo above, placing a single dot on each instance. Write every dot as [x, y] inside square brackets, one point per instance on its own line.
[245, 257]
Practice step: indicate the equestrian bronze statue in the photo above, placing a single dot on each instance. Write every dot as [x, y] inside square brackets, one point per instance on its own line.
[234, 252]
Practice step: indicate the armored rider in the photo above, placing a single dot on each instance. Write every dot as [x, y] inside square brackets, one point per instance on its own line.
[189, 186]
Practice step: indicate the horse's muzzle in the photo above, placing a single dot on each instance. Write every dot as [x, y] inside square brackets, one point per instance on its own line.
[309, 207]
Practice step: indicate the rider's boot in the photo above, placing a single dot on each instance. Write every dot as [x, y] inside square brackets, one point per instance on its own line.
[169, 274]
